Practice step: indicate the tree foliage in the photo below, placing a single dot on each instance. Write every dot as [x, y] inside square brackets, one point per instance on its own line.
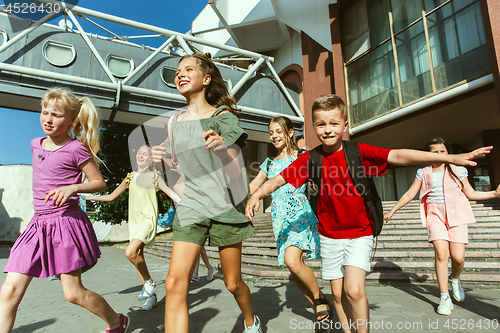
[115, 154]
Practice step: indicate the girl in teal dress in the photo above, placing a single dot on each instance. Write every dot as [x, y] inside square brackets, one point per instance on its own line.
[294, 223]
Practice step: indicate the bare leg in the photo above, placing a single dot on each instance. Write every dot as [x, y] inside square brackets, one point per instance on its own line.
[341, 304]
[354, 289]
[196, 267]
[184, 257]
[204, 257]
[442, 253]
[11, 294]
[76, 293]
[230, 260]
[457, 252]
[304, 276]
[135, 254]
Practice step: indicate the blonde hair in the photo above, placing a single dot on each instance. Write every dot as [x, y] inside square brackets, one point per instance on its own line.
[85, 127]
[327, 103]
[286, 125]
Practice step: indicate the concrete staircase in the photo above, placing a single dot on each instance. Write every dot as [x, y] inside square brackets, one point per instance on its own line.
[402, 253]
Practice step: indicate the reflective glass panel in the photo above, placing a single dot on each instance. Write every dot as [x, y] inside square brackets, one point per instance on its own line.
[372, 86]
[378, 20]
[405, 12]
[431, 4]
[458, 42]
[413, 63]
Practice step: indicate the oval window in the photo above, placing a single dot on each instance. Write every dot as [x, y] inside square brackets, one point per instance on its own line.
[58, 54]
[168, 75]
[119, 66]
[3, 37]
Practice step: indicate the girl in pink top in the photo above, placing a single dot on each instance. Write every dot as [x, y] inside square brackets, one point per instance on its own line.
[445, 211]
[60, 238]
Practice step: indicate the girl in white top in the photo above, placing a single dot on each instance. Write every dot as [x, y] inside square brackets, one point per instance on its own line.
[446, 222]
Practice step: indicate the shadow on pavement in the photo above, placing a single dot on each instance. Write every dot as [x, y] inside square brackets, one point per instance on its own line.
[35, 326]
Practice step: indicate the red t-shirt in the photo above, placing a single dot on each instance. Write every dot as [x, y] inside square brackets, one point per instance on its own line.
[341, 209]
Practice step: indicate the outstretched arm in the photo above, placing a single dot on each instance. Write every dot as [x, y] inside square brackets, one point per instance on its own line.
[112, 196]
[478, 195]
[269, 187]
[167, 190]
[258, 181]
[407, 197]
[415, 157]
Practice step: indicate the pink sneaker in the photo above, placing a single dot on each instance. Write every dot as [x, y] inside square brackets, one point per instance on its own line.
[122, 328]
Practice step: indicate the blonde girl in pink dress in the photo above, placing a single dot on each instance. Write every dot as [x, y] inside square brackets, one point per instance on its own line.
[60, 238]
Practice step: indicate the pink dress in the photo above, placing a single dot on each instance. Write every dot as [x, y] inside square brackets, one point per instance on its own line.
[57, 239]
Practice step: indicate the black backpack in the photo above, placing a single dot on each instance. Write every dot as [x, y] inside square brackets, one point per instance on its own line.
[363, 183]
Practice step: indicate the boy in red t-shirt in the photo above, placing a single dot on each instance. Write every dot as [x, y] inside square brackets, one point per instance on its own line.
[345, 228]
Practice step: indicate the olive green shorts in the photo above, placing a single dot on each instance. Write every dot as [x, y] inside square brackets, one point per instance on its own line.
[218, 233]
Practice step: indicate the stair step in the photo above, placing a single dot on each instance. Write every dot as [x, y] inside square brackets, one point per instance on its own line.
[402, 252]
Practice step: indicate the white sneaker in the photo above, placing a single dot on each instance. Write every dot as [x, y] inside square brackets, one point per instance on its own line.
[255, 328]
[456, 290]
[148, 290]
[150, 303]
[210, 275]
[445, 306]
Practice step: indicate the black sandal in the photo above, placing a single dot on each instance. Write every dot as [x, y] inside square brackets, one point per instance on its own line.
[327, 313]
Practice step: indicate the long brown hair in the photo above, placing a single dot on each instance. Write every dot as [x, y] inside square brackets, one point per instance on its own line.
[440, 141]
[286, 125]
[216, 92]
[85, 127]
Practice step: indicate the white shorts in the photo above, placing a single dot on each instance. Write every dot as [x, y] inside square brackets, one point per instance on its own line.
[337, 253]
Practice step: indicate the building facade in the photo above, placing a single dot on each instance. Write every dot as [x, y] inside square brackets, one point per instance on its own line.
[408, 70]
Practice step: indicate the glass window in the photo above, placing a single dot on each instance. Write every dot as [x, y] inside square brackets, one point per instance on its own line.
[120, 66]
[3, 37]
[458, 42]
[431, 4]
[414, 69]
[168, 75]
[372, 85]
[58, 54]
[404, 13]
[378, 20]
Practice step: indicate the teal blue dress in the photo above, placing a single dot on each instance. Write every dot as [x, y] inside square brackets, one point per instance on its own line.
[294, 223]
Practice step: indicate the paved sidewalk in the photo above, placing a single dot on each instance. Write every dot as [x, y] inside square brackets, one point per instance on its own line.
[281, 307]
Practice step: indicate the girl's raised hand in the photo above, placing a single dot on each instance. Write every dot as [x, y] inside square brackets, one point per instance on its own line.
[60, 195]
[214, 141]
[387, 217]
[158, 153]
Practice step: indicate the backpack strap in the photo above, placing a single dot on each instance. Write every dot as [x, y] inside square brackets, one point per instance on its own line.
[315, 162]
[269, 161]
[364, 184]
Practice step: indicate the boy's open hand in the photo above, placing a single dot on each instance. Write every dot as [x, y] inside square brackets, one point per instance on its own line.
[252, 205]
[466, 159]
[158, 153]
